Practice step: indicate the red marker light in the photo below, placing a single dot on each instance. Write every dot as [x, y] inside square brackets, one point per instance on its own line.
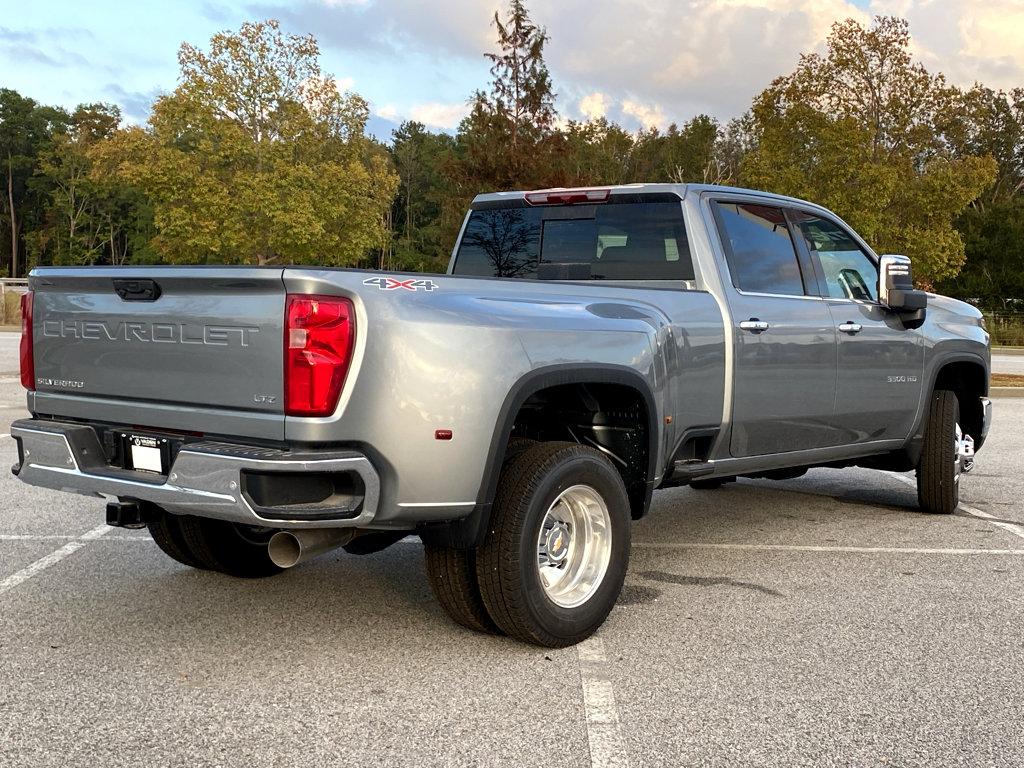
[442, 435]
[567, 197]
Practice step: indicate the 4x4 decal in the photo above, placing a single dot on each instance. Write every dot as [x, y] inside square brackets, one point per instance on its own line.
[411, 284]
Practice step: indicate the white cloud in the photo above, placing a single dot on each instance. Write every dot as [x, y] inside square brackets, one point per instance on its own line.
[439, 114]
[594, 105]
[344, 83]
[671, 59]
[388, 112]
[649, 115]
[968, 41]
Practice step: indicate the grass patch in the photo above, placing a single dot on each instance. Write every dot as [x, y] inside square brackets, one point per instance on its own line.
[1008, 380]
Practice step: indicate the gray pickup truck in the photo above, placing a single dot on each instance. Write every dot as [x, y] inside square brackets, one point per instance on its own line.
[587, 347]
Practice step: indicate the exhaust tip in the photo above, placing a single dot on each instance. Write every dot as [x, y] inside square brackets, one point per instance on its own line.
[284, 549]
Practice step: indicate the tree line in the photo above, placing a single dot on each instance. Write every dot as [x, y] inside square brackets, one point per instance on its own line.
[257, 157]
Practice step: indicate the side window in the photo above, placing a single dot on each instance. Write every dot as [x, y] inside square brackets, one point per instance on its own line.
[849, 272]
[500, 243]
[761, 254]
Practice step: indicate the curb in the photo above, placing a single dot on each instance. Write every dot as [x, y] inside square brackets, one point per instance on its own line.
[1006, 392]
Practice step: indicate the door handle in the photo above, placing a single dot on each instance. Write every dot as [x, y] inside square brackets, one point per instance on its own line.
[850, 328]
[754, 325]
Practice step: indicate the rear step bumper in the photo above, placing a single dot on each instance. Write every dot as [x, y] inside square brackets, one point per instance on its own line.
[244, 484]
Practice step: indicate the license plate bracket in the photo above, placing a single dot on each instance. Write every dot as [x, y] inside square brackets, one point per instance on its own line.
[146, 453]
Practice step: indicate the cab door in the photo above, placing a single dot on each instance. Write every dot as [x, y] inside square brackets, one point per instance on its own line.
[784, 338]
[880, 363]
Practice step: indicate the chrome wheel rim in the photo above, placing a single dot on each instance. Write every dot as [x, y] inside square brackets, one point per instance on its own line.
[960, 451]
[574, 546]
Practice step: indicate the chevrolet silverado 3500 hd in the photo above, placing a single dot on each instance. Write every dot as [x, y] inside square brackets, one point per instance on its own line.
[586, 347]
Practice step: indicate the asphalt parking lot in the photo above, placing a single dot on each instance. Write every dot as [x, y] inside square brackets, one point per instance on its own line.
[821, 620]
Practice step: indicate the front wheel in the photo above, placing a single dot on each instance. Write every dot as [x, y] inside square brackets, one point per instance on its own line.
[941, 463]
[557, 546]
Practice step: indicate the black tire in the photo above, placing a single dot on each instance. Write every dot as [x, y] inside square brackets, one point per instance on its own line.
[230, 548]
[938, 485]
[165, 529]
[451, 573]
[507, 562]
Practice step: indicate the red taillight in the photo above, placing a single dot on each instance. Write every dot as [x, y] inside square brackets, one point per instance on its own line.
[567, 197]
[28, 368]
[319, 331]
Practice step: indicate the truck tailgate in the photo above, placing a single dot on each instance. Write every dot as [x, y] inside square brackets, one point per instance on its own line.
[206, 338]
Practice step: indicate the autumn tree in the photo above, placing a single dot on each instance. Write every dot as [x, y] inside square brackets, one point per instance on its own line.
[858, 129]
[257, 157]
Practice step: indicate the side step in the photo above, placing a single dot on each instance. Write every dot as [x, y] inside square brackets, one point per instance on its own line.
[686, 470]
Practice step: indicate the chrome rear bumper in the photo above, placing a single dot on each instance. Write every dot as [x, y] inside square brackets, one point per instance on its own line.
[205, 478]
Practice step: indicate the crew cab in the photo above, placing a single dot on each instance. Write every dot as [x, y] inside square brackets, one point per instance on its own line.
[585, 348]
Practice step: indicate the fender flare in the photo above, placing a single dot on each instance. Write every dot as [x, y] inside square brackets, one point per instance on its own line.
[913, 446]
[469, 531]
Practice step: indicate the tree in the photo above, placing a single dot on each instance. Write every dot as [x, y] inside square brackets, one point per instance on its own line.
[859, 130]
[25, 130]
[508, 140]
[257, 157]
[88, 216]
[419, 156]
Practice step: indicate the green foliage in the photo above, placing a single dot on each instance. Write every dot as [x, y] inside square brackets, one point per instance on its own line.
[419, 157]
[89, 217]
[26, 130]
[994, 239]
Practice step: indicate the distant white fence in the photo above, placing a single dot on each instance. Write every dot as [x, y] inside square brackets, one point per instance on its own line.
[17, 285]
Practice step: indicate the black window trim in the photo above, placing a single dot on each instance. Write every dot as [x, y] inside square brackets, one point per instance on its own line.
[802, 265]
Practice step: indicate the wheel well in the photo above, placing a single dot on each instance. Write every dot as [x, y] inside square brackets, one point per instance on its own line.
[969, 382]
[612, 418]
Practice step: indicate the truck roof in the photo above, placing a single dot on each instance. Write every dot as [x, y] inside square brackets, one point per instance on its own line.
[517, 197]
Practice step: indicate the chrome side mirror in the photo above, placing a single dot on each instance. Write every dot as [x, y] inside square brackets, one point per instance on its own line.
[896, 290]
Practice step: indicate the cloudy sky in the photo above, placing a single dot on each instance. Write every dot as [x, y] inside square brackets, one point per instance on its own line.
[640, 62]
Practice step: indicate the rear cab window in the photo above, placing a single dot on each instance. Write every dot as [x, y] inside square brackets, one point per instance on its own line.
[604, 241]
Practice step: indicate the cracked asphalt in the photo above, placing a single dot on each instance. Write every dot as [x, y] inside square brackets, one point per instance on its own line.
[821, 620]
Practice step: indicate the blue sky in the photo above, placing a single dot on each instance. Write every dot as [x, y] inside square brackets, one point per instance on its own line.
[641, 62]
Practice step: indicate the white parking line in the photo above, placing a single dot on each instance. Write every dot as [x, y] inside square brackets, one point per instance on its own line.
[1014, 528]
[65, 538]
[11, 582]
[607, 748]
[825, 548]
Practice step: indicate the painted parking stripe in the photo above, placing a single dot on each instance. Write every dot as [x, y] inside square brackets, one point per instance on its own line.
[825, 548]
[11, 582]
[1014, 528]
[65, 538]
[607, 748]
